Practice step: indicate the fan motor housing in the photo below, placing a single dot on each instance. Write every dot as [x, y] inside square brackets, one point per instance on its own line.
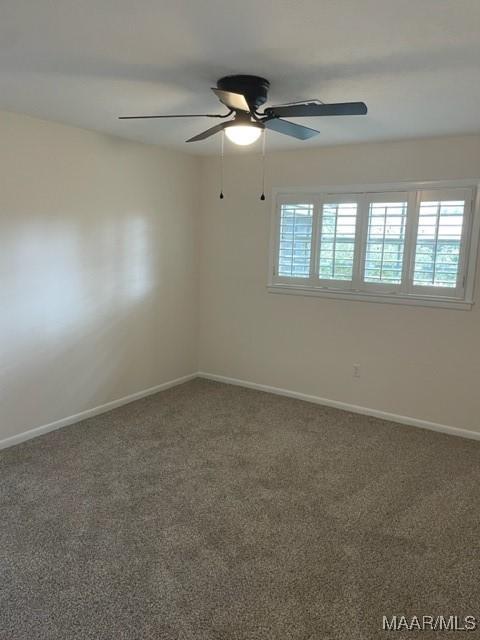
[254, 88]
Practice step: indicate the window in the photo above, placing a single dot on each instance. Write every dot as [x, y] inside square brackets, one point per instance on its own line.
[295, 240]
[437, 252]
[414, 246]
[337, 240]
[385, 242]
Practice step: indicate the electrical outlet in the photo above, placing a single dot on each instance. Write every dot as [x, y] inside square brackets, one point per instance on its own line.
[356, 371]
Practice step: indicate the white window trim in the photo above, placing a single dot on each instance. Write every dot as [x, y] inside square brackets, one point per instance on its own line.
[405, 294]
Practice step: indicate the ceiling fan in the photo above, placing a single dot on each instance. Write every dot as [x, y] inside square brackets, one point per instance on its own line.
[243, 95]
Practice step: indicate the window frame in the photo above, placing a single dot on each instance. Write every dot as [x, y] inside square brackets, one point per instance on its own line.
[426, 195]
[460, 297]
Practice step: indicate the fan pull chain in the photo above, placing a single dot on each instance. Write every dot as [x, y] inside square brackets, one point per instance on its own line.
[222, 148]
[264, 138]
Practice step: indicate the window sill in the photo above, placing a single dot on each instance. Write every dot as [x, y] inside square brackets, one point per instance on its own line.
[362, 296]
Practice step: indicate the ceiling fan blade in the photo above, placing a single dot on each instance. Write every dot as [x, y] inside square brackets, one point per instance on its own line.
[235, 101]
[183, 115]
[311, 109]
[290, 129]
[209, 132]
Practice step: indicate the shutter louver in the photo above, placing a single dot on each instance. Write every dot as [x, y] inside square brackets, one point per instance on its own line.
[385, 242]
[439, 236]
[296, 224]
[337, 241]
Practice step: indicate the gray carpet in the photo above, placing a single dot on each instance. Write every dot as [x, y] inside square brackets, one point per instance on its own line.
[211, 512]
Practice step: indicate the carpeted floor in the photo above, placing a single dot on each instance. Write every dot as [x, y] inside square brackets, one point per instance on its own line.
[211, 512]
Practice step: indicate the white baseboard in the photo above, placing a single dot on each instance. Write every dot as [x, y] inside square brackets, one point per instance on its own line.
[95, 411]
[384, 415]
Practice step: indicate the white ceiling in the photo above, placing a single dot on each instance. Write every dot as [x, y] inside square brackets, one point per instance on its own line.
[416, 63]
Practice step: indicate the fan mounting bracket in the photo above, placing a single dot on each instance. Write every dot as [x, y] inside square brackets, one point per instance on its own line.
[254, 88]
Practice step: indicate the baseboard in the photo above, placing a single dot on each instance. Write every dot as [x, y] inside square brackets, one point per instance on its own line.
[384, 415]
[89, 413]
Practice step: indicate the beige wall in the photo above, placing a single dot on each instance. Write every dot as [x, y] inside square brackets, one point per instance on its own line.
[98, 284]
[415, 361]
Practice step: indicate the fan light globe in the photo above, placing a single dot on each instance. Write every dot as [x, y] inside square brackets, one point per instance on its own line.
[243, 134]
